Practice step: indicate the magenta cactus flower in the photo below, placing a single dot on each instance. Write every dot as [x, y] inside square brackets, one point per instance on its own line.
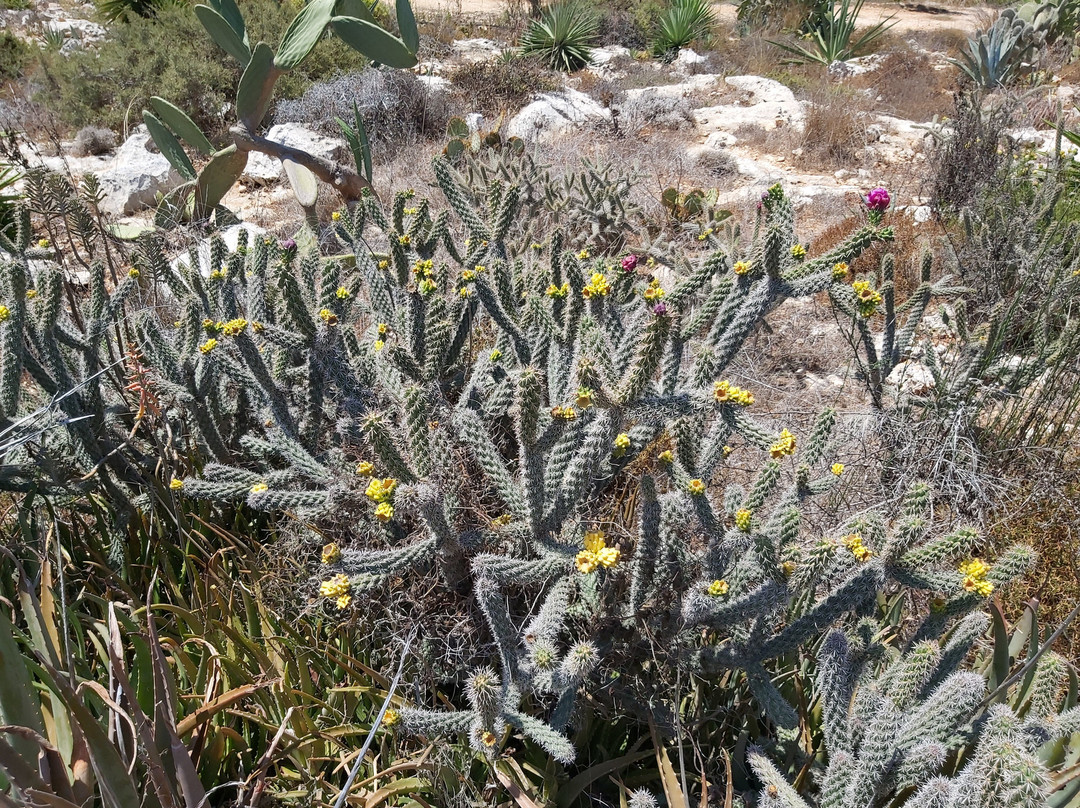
[878, 200]
[629, 263]
[288, 244]
[659, 309]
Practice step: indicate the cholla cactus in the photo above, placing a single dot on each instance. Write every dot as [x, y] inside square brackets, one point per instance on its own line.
[892, 732]
[356, 392]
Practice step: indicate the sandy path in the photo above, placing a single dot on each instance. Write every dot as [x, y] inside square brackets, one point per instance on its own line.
[908, 17]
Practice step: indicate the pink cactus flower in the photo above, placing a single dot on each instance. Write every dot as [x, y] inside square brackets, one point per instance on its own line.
[629, 263]
[878, 199]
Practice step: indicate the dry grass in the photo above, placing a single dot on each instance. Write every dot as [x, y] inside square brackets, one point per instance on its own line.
[1047, 517]
[907, 85]
[836, 128]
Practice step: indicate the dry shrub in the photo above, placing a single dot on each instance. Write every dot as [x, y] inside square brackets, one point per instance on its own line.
[1047, 516]
[909, 86]
[502, 85]
[836, 121]
[93, 140]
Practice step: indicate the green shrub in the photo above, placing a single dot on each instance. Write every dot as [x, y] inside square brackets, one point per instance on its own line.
[685, 22]
[563, 36]
[170, 55]
[14, 54]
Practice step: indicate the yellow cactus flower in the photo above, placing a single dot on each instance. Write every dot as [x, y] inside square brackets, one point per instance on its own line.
[365, 468]
[328, 316]
[335, 216]
[234, 328]
[558, 291]
[586, 562]
[727, 450]
[335, 587]
[342, 293]
[743, 519]
[176, 484]
[867, 298]
[260, 488]
[31, 294]
[383, 328]
[696, 488]
[609, 556]
[622, 441]
[598, 286]
[840, 271]
[217, 275]
[381, 490]
[331, 553]
[741, 267]
[343, 602]
[43, 243]
[583, 255]
[718, 589]
[784, 446]
[584, 398]
[488, 739]
[404, 240]
[495, 355]
[594, 541]
[666, 456]
[208, 346]
[798, 252]
[384, 264]
[378, 346]
[384, 512]
[391, 719]
[133, 273]
[837, 469]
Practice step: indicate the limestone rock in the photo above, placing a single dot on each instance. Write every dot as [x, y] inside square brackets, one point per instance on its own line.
[136, 175]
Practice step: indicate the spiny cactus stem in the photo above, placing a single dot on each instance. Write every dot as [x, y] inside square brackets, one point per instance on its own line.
[345, 181]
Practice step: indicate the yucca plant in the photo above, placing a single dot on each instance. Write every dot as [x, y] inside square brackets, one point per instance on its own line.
[686, 21]
[563, 36]
[834, 38]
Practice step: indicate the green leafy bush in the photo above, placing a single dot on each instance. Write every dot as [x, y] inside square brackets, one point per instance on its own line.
[563, 36]
[14, 55]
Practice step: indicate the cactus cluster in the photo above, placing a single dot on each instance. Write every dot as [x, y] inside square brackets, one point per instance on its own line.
[462, 394]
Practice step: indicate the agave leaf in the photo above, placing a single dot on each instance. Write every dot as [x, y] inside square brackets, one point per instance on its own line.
[303, 34]
[374, 42]
[170, 147]
[223, 34]
[406, 21]
[256, 86]
[178, 121]
[18, 707]
[117, 788]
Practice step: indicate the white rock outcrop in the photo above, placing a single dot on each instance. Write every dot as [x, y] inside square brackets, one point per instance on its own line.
[762, 103]
[555, 114]
[136, 175]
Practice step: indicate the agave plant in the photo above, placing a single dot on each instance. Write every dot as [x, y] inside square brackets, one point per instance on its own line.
[1002, 53]
[684, 22]
[833, 40]
[563, 36]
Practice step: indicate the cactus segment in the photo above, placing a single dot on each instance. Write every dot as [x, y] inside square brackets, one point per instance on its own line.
[231, 12]
[406, 23]
[178, 121]
[256, 86]
[219, 175]
[169, 145]
[305, 186]
[303, 34]
[374, 42]
[223, 34]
